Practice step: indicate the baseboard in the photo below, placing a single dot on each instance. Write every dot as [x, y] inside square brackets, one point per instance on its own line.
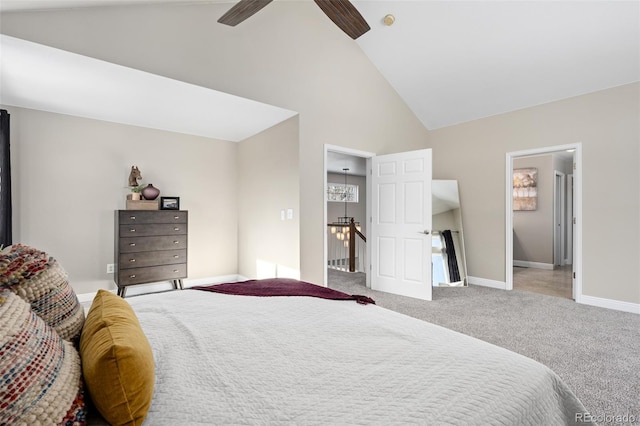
[600, 302]
[617, 305]
[538, 265]
[213, 280]
[166, 285]
[484, 282]
[88, 297]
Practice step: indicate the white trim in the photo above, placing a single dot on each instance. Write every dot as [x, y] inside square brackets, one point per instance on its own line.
[577, 210]
[166, 285]
[600, 302]
[213, 280]
[484, 282]
[617, 305]
[577, 214]
[569, 220]
[347, 151]
[558, 213]
[88, 297]
[355, 153]
[537, 265]
[508, 220]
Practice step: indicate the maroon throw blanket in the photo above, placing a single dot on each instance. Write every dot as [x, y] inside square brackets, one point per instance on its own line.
[282, 287]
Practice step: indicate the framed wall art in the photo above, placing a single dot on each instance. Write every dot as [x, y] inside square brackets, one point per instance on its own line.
[525, 189]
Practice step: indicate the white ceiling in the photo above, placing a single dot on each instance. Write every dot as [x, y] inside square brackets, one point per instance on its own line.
[455, 61]
[337, 162]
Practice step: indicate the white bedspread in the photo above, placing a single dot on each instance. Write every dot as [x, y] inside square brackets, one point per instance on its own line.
[235, 360]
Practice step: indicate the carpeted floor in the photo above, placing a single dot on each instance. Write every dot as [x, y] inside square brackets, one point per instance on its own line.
[596, 351]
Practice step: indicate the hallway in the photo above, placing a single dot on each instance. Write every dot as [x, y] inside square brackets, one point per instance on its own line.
[552, 283]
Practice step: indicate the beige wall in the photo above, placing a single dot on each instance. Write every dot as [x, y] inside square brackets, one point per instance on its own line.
[447, 220]
[533, 229]
[607, 123]
[288, 55]
[268, 182]
[70, 174]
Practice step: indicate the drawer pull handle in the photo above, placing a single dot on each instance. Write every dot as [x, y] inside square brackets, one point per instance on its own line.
[132, 244]
[176, 217]
[176, 229]
[132, 260]
[176, 270]
[132, 230]
[176, 242]
[132, 217]
[175, 256]
[132, 276]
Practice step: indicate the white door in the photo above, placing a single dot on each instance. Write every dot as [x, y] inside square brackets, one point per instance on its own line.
[401, 224]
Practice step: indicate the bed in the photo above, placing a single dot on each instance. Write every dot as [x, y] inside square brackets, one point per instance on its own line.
[228, 359]
[200, 357]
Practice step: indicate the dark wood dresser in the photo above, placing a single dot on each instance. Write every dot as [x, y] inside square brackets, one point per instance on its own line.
[150, 246]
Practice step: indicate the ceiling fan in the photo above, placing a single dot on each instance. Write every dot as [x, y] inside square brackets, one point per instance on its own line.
[341, 12]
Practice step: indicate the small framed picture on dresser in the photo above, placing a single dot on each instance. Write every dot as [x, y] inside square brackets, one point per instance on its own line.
[169, 203]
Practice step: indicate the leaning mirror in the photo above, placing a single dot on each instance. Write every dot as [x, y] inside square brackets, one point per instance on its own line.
[448, 257]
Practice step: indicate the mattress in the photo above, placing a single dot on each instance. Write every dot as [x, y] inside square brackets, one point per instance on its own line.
[240, 360]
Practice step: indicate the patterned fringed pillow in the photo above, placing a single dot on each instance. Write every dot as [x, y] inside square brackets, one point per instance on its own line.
[40, 372]
[40, 280]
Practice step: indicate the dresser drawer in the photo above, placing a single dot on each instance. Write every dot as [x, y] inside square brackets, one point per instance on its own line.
[151, 258]
[138, 230]
[128, 217]
[152, 274]
[137, 244]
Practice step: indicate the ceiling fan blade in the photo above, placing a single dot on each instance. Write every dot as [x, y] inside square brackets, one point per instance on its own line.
[345, 16]
[242, 10]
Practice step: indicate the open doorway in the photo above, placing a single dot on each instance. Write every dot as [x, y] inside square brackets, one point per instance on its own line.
[398, 218]
[543, 250]
[346, 178]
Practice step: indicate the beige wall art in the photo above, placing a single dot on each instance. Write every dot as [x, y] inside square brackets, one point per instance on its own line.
[525, 189]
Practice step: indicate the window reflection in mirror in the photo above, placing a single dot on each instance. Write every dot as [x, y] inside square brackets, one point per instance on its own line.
[448, 256]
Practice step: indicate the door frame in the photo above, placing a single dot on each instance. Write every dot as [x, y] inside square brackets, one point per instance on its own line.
[569, 220]
[577, 211]
[559, 218]
[354, 153]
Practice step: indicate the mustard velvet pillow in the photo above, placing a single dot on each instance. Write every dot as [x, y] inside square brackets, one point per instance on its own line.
[117, 361]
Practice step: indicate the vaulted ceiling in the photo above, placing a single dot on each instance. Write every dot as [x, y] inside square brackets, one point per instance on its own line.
[456, 61]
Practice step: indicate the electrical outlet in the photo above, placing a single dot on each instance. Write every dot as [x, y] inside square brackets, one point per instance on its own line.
[111, 268]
